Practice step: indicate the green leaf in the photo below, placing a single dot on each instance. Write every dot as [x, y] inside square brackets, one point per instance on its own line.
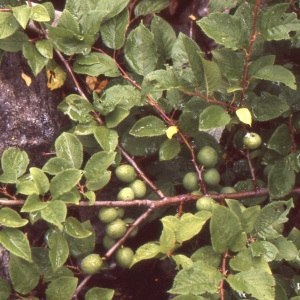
[33, 203]
[16, 242]
[148, 126]
[63, 286]
[186, 59]
[59, 250]
[14, 43]
[245, 261]
[266, 107]
[45, 48]
[228, 234]
[281, 140]
[26, 187]
[91, 21]
[14, 159]
[22, 14]
[94, 64]
[55, 213]
[81, 247]
[164, 36]
[146, 251]
[278, 74]
[265, 248]
[213, 116]
[10, 218]
[75, 229]
[144, 7]
[24, 275]
[276, 24]
[190, 225]
[68, 21]
[211, 76]
[169, 149]
[124, 96]
[56, 164]
[77, 108]
[9, 177]
[281, 179]
[234, 33]
[35, 60]
[113, 30]
[64, 181]
[94, 185]
[68, 147]
[271, 215]
[5, 289]
[167, 240]
[8, 24]
[182, 261]
[97, 293]
[207, 255]
[40, 180]
[39, 13]
[140, 50]
[107, 138]
[231, 63]
[196, 280]
[258, 283]
[97, 165]
[287, 249]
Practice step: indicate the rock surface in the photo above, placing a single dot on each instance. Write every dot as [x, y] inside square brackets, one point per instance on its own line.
[29, 116]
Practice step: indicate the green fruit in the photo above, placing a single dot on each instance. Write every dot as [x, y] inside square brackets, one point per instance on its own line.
[125, 173]
[197, 193]
[124, 257]
[227, 190]
[126, 194]
[107, 214]
[116, 229]
[252, 140]
[121, 212]
[191, 182]
[207, 156]
[211, 176]
[205, 203]
[91, 264]
[139, 188]
[108, 242]
[136, 229]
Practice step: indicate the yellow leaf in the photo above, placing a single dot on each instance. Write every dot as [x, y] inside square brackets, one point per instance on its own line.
[244, 115]
[27, 79]
[171, 131]
[56, 78]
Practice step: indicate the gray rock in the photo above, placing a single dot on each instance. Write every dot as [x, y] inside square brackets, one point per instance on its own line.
[29, 117]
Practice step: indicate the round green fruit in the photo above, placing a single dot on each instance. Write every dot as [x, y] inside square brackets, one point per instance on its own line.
[108, 242]
[139, 188]
[125, 173]
[191, 182]
[135, 230]
[91, 264]
[121, 212]
[116, 229]
[124, 257]
[107, 214]
[211, 176]
[227, 190]
[126, 194]
[252, 140]
[207, 156]
[205, 203]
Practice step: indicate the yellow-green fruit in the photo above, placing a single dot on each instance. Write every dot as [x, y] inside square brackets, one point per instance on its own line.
[191, 182]
[107, 214]
[125, 194]
[139, 188]
[124, 257]
[135, 230]
[125, 173]
[108, 242]
[227, 190]
[121, 212]
[211, 176]
[205, 203]
[252, 140]
[116, 229]
[207, 156]
[91, 264]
